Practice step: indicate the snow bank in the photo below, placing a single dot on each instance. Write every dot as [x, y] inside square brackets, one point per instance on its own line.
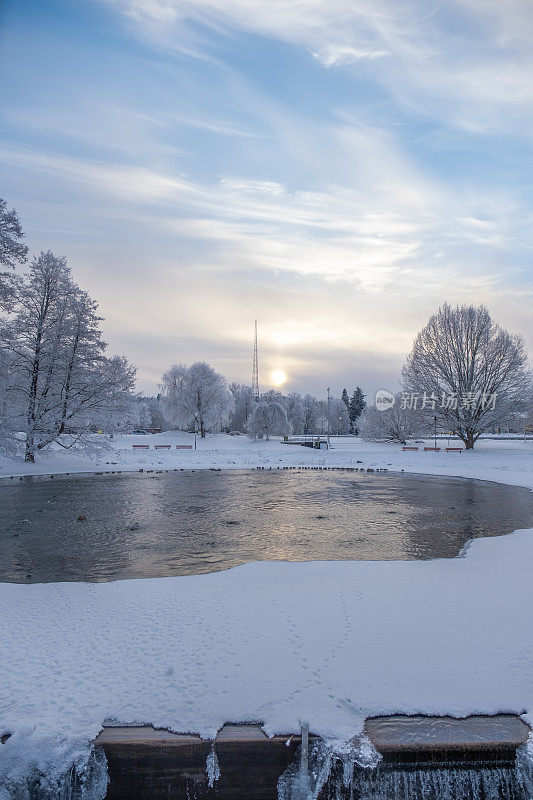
[329, 642]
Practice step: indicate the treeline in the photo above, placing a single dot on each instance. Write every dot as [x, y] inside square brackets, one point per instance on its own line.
[278, 414]
[196, 397]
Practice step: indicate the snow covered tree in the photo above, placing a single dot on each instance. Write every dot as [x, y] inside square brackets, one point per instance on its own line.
[345, 399]
[55, 375]
[244, 402]
[396, 424]
[155, 406]
[310, 414]
[12, 250]
[124, 412]
[295, 412]
[529, 414]
[268, 419]
[467, 371]
[339, 419]
[356, 407]
[196, 396]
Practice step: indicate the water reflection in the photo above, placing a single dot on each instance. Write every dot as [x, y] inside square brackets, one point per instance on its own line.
[201, 521]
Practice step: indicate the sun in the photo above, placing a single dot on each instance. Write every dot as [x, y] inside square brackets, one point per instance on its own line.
[278, 377]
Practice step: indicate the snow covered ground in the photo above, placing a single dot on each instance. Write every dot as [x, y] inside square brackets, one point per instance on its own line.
[329, 642]
[505, 461]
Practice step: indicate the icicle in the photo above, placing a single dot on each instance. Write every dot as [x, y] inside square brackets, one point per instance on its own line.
[354, 771]
[85, 780]
[212, 768]
[525, 765]
[321, 758]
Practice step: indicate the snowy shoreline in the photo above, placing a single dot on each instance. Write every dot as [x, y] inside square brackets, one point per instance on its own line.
[508, 461]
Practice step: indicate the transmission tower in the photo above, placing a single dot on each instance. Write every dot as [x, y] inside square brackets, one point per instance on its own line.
[255, 368]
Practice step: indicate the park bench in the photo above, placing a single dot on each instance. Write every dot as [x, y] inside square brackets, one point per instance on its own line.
[184, 447]
[407, 447]
[141, 446]
[454, 449]
[431, 449]
[162, 446]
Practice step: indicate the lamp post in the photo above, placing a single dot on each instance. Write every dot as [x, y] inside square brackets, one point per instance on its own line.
[435, 421]
[329, 406]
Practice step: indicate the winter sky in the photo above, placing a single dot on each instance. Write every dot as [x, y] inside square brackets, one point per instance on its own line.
[335, 168]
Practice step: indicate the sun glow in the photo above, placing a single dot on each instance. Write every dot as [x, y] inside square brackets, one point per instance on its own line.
[278, 377]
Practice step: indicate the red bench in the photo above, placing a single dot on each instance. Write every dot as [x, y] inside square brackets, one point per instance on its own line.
[162, 446]
[454, 449]
[184, 447]
[409, 448]
[431, 449]
[141, 446]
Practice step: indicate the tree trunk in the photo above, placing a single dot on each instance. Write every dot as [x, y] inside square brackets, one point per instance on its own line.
[29, 455]
[202, 429]
[469, 444]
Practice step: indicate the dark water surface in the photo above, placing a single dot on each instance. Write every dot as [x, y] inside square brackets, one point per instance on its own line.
[180, 523]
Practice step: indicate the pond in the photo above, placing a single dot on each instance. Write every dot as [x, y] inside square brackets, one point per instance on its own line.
[190, 522]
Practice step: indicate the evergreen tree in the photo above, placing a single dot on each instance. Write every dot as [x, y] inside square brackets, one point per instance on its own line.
[345, 399]
[356, 407]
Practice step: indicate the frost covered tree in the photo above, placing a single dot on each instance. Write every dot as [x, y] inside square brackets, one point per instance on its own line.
[310, 414]
[196, 396]
[55, 374]
[244, 403]
[396, 424]
[529, 414]
[12, 250]
[336, 413]
[268, 419]
[157, 419]
[124, 412]
[468, 371]
[339, 418]
[294, 407]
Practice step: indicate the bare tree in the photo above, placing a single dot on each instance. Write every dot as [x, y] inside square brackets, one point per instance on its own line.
[467, 371]
[196, 396]
[395, 424]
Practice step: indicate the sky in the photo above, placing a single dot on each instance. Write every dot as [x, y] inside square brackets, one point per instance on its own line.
[336, 169]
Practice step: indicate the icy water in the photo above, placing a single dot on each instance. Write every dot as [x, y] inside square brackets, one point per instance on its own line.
[181, 523]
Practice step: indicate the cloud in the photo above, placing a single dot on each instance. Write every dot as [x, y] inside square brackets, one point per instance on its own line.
[326, 186]
[382, 234]
[332, 55]
[466, 63]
